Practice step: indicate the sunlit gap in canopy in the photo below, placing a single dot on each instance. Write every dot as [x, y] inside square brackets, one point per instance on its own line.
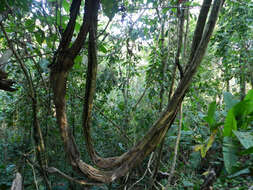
[132, 19]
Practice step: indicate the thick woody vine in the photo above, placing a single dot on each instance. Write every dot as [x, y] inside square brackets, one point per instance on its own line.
[115, 167]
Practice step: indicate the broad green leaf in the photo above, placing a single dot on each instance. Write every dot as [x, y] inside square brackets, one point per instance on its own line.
[230, 124]
[243, 108]
[230, 101]
[245, 138]
[210, 118]
[249, 96]
[237, 115]
[241, 172]
[229, 153]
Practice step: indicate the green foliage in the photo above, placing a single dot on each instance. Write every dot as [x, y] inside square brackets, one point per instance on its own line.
[239, 115]
[230, 100]
[66, 5]
[210, 118]
[229, 153]
[24, 5]
[7, 171]
[131, 60]
[230, 124]
[245, 138]
[110, 8]
[60, 186]
[237, 119]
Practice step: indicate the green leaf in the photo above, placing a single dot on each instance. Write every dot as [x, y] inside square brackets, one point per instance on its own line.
[195, 159]
[241, 172]
[66, 5]
[110, 8]
[30, 25]
[40, 36]
[10, 168]
[77, 27]
[230, 124]
[62, 20]
[245, 138]
[187, 183]
[229, 99]
[249, 96]
[229, 153]
[78, 59]
[102, 48]
[210, 118]
[165, 10]
[243, 108]
[49, 42]
[121, 106]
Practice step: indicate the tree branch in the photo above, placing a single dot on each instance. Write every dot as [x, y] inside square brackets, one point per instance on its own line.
[89, 15]
[68, 32]
[198, 34]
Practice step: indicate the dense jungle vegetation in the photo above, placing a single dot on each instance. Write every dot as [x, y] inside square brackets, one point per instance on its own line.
[128, 95]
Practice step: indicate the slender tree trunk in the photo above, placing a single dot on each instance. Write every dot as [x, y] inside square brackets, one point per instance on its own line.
[172, 171]
[181, 19]
[37, 133]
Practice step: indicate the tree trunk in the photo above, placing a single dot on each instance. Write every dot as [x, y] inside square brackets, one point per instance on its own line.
[17, 182]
